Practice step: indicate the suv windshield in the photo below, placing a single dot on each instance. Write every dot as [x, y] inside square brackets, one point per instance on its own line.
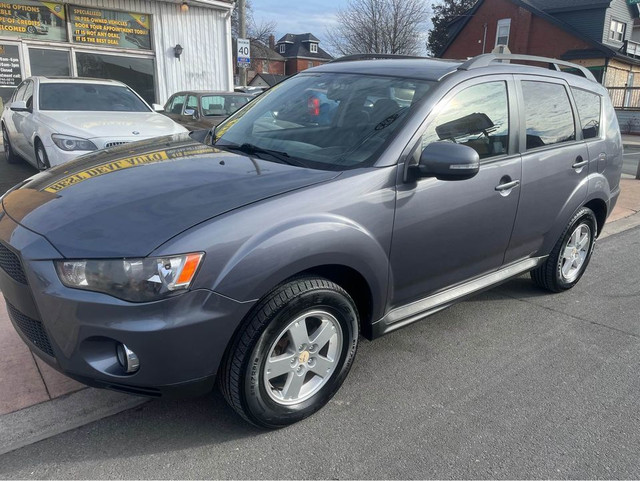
[326, 120]
[89, 97]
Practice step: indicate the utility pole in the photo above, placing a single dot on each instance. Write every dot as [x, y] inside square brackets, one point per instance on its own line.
[242, 33]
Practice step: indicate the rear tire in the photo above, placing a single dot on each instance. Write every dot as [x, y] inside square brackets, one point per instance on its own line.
[292, 353]
[570, 256]
[10, 155]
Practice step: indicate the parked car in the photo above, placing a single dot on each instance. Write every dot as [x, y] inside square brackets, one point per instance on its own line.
[51, 120]
[258, 260]
[197, 110]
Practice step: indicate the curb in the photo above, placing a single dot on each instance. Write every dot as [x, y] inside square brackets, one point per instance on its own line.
[50, 418]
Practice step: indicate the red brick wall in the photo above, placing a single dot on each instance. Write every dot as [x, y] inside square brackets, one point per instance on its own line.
[295, 65]
[276, 67]
[529, 33]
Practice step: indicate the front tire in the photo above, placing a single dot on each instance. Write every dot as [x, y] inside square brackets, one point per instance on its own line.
[42, 159]
[292, 354]
[570, 256]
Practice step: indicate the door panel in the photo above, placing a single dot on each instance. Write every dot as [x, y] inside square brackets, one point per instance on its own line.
[447, 232]
[554, 168]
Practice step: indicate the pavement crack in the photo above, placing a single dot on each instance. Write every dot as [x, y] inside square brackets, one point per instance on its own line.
[46, 388]
[596, 323]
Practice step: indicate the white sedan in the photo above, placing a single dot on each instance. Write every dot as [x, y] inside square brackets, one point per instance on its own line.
[49, 121]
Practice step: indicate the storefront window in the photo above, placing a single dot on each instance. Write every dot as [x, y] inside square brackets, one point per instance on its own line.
[49, 63]
[137, 73]
[10, 76]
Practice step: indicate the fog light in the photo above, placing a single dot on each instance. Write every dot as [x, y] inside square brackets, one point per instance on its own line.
[127, 359]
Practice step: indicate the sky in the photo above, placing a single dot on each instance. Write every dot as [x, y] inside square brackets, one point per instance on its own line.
[298, 16]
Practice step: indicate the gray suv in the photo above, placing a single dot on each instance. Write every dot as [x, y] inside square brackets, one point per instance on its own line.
[352, 199]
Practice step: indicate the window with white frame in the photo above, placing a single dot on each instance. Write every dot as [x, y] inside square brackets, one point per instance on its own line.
[283, 47]
[617, 30]
[502, 33]
[313, 48]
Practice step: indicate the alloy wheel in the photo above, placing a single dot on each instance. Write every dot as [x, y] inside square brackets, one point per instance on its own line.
[575, 253]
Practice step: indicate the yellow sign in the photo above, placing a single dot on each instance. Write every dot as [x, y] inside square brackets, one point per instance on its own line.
[110, 28]
[126, 163]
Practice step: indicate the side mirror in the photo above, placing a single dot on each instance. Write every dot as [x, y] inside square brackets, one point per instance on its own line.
[191, 113]
[157, 108]
[448, 161]
[20, 106]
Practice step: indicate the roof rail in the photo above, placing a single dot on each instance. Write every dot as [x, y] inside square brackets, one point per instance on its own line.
[372, 56]
[488, 58]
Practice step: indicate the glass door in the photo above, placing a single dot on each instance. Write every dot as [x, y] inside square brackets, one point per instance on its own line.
[10, 69]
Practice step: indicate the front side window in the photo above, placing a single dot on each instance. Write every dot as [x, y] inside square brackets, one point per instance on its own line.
[324, 120]
[192, 104]
[477, 117]
[502, 34]
[75, 96]
[589, 109]
[28, 94]
[617, 31]
[174, 106]
[549, 117]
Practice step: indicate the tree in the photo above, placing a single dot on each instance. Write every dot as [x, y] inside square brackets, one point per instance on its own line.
[379, 26]
[257, 31]
[443, 13]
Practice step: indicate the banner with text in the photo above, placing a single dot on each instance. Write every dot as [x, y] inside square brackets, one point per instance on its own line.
[110, 28]
[31, 19]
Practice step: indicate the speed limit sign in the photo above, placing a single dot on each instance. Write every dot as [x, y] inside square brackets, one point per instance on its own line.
[244, 52]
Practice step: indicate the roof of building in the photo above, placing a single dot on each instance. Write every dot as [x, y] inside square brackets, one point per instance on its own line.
[456, 26]
[297, 46]
[271, 79]
[260, 51]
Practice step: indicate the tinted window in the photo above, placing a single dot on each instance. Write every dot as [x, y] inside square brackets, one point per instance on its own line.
[549, 118]
[49, 62]
[589, 108]
[89, 97]
[477, 117]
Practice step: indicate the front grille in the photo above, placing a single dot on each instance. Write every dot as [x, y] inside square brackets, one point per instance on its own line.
[114, 144]
[10, 263]
[32, 329]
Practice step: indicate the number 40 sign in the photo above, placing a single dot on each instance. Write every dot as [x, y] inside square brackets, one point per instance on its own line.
[244, 52]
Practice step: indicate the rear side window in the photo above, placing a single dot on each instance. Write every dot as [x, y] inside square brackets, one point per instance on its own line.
[549, 117]
[477, 117]
[589, 109]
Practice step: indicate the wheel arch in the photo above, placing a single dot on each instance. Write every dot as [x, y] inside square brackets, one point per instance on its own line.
[600, 209]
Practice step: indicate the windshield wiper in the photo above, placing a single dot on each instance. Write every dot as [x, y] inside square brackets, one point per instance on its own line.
[251, 149]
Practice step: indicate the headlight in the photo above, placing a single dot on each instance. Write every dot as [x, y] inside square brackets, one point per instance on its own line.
[69, 143]
[135, 280]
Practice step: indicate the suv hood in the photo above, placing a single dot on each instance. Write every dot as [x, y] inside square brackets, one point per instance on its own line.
[91, 125]
[127, 201]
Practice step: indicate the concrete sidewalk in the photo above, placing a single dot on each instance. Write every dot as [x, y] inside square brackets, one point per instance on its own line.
[26, 383]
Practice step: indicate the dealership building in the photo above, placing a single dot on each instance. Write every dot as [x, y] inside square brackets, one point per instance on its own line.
[155, 47]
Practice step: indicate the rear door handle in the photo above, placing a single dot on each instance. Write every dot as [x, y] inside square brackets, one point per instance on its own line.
[508, 185]
[580, 162]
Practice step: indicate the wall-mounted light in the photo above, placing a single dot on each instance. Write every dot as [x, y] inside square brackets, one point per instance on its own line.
[184, 7]
[177, 51]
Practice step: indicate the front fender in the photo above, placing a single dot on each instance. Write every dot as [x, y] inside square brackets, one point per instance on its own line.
[299, 244]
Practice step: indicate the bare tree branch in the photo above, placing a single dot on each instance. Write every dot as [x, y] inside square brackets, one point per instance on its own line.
[379, 26]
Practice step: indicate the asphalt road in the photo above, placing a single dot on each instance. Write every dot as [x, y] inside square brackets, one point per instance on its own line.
[515, 383]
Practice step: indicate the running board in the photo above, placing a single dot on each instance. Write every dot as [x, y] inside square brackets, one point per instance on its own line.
[405, 315]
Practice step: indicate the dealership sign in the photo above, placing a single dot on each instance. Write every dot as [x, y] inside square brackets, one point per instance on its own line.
[31, 19]
[110, 28]
[633, 2]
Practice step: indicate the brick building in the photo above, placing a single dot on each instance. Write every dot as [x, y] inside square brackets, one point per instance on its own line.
[301, 52]
[599, 34]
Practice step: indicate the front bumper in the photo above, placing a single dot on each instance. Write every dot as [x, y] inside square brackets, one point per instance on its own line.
[180, 341]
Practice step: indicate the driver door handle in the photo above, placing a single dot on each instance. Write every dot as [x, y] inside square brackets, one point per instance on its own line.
[508, 185]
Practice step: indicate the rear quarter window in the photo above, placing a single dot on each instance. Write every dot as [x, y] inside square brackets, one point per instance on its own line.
[589, 110]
